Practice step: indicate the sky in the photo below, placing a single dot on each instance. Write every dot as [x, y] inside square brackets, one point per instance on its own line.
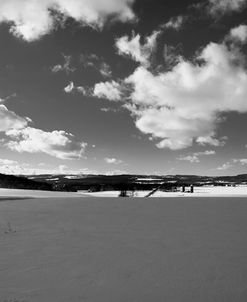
[123, 86]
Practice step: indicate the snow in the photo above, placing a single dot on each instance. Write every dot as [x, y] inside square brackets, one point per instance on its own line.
[35, 193]
[149, 179]
[111, 193]
[125, 249]
[207, 191]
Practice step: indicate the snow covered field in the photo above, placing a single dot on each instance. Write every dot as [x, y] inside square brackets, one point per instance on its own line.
[210, 191]
[34, 194]
[238, 191]
[125, 249]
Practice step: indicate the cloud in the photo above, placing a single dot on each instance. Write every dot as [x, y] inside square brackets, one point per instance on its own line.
[209, 140]
[66, 66]
[18, 136]
[113, 161]
[32, 19]
[71, 88]
[133, 47]
[172, 55]
[242, 161]
[108, 90]
[194, 158]
[7, 162]
[190, 158]
[184, 104]
[175, 23]
[239, 34]
[104, 109]
[59, 144]
[116, 172]
[96, 63]
[225, 166]
[221, 7]
[17, 168]
[10, 120]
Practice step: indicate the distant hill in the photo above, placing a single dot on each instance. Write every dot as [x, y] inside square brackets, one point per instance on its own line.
[18, 182]
[74, 183]
[132, 182]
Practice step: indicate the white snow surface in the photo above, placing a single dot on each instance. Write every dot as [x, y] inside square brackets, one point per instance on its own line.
[205, 191]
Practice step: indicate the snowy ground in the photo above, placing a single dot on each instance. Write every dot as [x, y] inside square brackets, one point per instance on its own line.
[111, 193]
[118, 250]
[238, 191]
[210, 191]
[12, 193]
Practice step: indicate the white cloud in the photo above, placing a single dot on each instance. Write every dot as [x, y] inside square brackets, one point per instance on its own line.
[56, 143]
[108, 90]
[66, 66]
[20, 137]
[209, 140]
[31, 19]
[96, 63]
[184, 104]
[194, 158]
[113, 161]
[69, 88]
[190, 158]
[239, 33]
[132, 47]
[7, 162]
[242, 161]
[219, 7]
[104, 109]
[10, 120]
[175, 23]
[105, 70]
[225, 166]
[17, 168]
[116, 172]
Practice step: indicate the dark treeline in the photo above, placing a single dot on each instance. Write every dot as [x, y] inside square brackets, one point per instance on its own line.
[18, 182]
[114, 182]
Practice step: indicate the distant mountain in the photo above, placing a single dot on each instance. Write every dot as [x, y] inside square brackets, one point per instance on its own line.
[19, 182]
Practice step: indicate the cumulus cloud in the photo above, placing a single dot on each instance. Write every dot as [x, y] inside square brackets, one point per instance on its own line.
[175, 23]
[194, 158]
[140, 52]
[239, 34]
[242, 161]
[60, 144]
[31, 19]
[113, 161]
[10, 120]
[221, 7]
[108, 90]
[184, 104]
[18, 136]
